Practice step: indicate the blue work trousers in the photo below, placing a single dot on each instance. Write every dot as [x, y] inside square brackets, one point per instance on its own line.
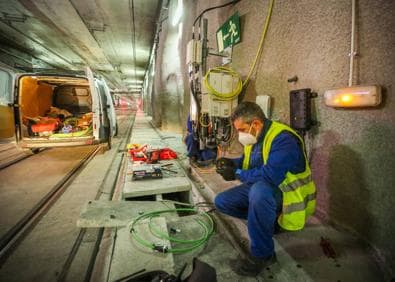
[194, 151]
[259, 203]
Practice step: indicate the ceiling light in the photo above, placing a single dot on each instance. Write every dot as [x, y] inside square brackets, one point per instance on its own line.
[177, 13]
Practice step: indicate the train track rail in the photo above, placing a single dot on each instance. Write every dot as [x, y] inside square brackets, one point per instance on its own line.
[46, 217]
[14, 235]
[106, 192]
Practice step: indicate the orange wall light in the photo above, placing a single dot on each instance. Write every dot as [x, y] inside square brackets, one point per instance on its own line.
[354, 96]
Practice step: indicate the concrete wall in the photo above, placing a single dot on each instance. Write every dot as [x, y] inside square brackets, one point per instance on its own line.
[352, 151]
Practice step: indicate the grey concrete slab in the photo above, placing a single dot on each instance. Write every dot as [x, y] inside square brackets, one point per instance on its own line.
[299, 254]
[116, 214]
[174, 180]
[217, 251]
[170, 168]
[155, 186]
[129, 257]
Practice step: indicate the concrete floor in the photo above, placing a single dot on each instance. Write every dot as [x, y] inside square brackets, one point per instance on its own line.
[43, 255]
[26, 182]
[300, 256]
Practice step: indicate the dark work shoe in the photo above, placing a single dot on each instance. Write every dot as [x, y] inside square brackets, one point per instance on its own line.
[251, 266]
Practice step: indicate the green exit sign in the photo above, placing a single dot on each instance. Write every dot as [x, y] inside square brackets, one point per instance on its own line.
[229, 33]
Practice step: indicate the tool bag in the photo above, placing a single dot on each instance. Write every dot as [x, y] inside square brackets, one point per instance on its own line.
[201, 272]
[45, 124]
[167, 154]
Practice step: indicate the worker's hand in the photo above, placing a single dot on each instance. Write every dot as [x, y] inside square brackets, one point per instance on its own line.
[226, 168]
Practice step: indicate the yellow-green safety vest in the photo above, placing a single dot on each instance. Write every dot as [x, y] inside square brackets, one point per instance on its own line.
[298, 190]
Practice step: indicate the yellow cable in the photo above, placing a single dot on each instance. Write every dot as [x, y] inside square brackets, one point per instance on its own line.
[269, 14]
[223, 96]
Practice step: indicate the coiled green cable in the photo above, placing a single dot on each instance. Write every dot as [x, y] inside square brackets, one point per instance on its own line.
[208, 230]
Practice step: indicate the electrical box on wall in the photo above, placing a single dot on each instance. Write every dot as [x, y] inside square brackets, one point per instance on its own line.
[264, 102]
[223, 83]
[300, 109]
[194, 52]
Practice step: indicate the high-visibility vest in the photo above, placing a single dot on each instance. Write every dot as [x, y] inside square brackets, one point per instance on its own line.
[298, 190]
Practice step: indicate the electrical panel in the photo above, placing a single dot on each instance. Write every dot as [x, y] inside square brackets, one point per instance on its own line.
[300, 109]
[194, 52]
[217, 108]
[222, 83]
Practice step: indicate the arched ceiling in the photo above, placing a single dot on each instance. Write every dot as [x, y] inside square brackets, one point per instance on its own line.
[113, 37]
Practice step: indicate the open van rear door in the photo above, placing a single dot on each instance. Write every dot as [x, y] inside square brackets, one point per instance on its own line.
[110, 110]
[96, 109]
[7, 122]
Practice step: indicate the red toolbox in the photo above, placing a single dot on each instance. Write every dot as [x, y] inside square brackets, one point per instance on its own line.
[45, 124]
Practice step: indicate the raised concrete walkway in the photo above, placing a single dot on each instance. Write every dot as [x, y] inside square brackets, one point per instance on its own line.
[300, 255]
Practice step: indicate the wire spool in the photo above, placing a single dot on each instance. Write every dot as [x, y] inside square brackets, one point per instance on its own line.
[183, 245]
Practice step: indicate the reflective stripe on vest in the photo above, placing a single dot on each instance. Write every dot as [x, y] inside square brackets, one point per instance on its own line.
[247, 154]
[298, 206]
[286, 187]
[299, 191]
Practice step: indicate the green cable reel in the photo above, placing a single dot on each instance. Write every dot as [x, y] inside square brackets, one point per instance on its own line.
[186, 245]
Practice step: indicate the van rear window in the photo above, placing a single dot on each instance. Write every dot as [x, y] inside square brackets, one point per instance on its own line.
[5, 88]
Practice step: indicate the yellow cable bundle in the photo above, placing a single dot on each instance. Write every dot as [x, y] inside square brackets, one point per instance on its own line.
[269, 14]
[223, 96]
[240, 84]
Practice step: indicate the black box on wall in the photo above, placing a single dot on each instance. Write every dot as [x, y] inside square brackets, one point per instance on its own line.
[300, 109]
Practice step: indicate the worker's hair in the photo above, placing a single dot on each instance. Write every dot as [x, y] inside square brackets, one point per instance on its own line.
[248, 111]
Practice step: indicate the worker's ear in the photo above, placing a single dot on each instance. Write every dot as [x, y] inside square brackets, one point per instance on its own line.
[256, 125]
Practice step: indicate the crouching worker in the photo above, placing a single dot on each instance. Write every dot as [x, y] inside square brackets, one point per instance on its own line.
[276, 184]
[197, 156]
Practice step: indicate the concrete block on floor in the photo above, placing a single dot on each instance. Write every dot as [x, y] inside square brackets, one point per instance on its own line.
[117, 214]
[170, 168]
[155, 186]
[129, 257]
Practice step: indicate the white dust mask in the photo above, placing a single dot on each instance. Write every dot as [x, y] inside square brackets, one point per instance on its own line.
[247, 138]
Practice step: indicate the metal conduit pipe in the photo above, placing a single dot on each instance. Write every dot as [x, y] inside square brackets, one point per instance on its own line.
[69, 64]
[352, 51]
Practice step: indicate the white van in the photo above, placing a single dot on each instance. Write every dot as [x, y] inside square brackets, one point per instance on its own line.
[54, 110]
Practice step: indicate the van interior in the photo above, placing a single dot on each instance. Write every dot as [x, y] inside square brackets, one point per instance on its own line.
[55, 108]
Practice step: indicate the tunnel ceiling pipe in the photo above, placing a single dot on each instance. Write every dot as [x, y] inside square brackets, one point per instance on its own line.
[178, 13]
[162, 17]
[133, 31]
[263, 36]
[353, 52]
[69, 64]
[8, 52]
[92, 32]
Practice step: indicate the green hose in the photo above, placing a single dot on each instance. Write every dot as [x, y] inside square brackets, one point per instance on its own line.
[185, 245]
